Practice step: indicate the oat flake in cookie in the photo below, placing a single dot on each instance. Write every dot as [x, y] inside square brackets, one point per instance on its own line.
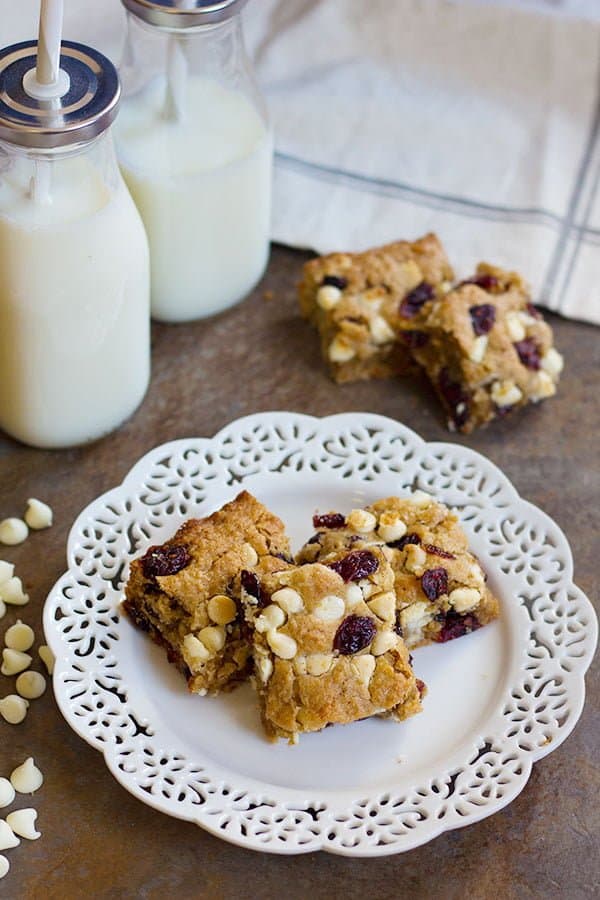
[185, 592]
[325, 648]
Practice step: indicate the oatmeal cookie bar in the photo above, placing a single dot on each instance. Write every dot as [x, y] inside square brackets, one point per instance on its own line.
[440, 588]
[352, 299]
[186, 592]
[325, 649]
[485, 348]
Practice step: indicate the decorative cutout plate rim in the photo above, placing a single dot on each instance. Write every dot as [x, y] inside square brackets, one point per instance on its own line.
[553, 634]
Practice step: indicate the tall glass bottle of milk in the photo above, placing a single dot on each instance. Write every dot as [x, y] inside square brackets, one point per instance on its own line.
[196, 150]
[74, 261]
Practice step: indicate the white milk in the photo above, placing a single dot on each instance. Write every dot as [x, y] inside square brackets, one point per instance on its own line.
[74, 306]
[203, 187]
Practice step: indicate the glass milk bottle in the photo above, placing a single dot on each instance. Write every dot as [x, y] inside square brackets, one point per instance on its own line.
[74, 263]
[196, 150]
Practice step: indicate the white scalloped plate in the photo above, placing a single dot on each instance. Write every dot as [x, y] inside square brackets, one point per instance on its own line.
[499, 699]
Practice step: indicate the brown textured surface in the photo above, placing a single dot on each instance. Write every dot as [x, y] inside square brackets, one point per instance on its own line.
[99, 841]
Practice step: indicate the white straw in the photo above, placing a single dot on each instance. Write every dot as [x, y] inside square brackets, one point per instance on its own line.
[41, 182]
[49, 39]
[177, 73]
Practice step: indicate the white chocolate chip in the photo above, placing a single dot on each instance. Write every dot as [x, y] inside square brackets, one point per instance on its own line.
[213, 638]
[12, 592]
[416, 559]
[222, 609]
[4, 866]
[27, 778]
[354, 595]
[289, 600]
[13, 531]
[318, 663]
[22, 822]
[282, 644]
[328, 296]
[413, 619]
[544, 387]
[8, 838]
[421, 498]
[526, 319]
[47, 657]
[194, 651]
[384, 605]
[271, 617]
[506, 393]
[380, 330]
[249, 555]
[383, 642]
[514, 326]
[38, 515]
[391, 527]
[14, 661]
[7, 570]
[478, 348]
[329, 608]
[341, 350]
[464, 599]
[361, 520]
[30, 685]
[264, 667]
[552, 362]
[367, 588]
[364, 666]
[299, 665]
[13, 709]
[19, 636]
[7, 792]
[2, 609]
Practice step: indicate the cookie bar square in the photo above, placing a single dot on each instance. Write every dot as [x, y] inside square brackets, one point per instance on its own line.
[324, 645]
[440, 587]
[352, 299]
[186, 592]
[486, 349]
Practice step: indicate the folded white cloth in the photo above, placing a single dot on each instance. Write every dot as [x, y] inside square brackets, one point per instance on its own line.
[480, 121]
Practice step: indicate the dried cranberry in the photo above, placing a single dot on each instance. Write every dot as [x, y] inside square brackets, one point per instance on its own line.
[335, 281]
[160, 561]
[534, 311]
[356, 565]
[434, 583]
[401, 543]
[414, 339]
[437, 551]
[483, 317]
[421, 686]
[329, 520]
[529, 353]
[456, 625]
[455, 396]
[486, 282]
[252, 586]
[355, 633]
[415, 299]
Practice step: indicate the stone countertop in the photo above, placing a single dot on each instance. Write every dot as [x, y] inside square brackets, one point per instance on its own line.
[97, 839]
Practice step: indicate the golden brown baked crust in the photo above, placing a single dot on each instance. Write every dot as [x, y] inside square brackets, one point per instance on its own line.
[325, 649]
[440, 587]
[352, 299]
[195, 612]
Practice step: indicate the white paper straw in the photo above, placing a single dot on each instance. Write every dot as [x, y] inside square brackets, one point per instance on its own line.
[49, 40]
[41, 182]
[177, 73]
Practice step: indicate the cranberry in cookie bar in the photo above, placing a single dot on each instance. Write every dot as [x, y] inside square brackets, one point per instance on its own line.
[485, 348]
[186, 592]
[325, 649]
[440, 588]
[352, 298]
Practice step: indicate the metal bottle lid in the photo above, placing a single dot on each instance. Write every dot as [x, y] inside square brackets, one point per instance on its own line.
[86, 109]
[183, 13]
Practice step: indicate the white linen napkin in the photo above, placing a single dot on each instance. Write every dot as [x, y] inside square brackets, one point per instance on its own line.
[480, 121]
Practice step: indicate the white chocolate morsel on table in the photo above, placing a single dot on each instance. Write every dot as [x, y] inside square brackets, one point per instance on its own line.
[14, 661]
[19, 636]
[13, 531]
[4, 866]
[38, 515]
[7, 792]
[8, 838]
[12, 593]
[47, 657]
[27, 778]
[30, 685]
[7, 570]
[13, 709]
[22, 822]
